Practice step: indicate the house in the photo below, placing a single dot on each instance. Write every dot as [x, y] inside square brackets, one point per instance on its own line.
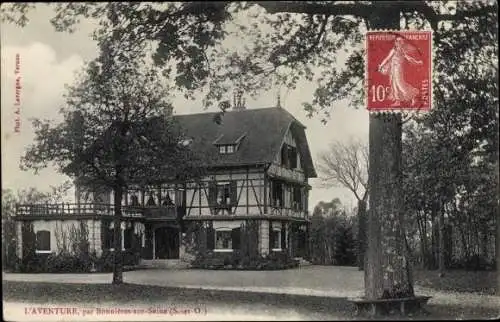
[258, 165]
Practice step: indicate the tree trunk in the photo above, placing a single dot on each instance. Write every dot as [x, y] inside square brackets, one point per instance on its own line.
[435, 240]
[423, 246]
[441, 248]
[465, 245]
[387, 267]
[361, 234]
[386, 273]
[497, 248]
[117, 240]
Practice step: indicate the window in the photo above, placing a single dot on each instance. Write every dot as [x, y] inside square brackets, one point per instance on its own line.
[43, 241]
[223, 194]
[297, 198]
[276, 194]
[151, 201]
[275, 239]
[108, 234]
[128, 236]
[167, 200]
[134, 200]
[223, 240]
[289, 156]
[227, 148]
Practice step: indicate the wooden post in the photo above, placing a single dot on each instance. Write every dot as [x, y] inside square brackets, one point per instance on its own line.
[265, 197]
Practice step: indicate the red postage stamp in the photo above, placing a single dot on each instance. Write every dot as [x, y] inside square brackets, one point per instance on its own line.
[398, 71]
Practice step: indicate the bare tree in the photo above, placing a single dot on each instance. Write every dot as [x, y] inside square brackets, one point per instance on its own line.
[345, 164]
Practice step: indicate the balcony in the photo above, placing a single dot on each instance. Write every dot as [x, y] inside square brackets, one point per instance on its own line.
[71, 210]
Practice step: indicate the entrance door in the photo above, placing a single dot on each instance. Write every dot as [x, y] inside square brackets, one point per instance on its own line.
[167, 243]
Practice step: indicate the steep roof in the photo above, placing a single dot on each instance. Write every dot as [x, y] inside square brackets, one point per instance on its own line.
[259, 133]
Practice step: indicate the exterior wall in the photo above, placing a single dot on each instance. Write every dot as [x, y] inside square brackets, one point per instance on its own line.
[249, 193]
[229, 224]
[264, 237]
[95, 241]
[19, 241]
[59, 227]
[59, 232]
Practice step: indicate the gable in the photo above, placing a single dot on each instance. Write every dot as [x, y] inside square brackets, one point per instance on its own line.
[290, 142]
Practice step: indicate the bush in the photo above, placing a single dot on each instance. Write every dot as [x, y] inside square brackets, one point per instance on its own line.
[106, 261]
[66, 262]
[236, 260]
[131, 257]
[33, 263]
[473, 263]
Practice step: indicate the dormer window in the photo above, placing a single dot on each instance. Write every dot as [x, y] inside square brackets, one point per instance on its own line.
[229, 143]
[227, 149]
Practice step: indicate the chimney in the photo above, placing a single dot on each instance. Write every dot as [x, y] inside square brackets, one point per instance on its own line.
[238, 100]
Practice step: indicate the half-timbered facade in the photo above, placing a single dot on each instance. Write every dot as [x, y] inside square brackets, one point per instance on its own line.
[258, 165]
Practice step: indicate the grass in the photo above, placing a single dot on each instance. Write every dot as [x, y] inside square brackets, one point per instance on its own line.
[310, 307]
[483, 282]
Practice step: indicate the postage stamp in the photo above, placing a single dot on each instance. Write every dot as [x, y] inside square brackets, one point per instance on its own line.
[398, 71]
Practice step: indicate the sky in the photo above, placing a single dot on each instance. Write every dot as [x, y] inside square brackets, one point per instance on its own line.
[48, 60]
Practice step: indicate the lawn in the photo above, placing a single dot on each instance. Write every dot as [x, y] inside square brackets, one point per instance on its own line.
[483, 282]
[275, 306]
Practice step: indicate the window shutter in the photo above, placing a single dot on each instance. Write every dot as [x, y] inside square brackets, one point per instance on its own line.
[104, 237]
[210, 238]
[212, 193]
[148, 241]
[283, 235]
[271, 236]
[43, 240]
[236, 236]
[28, 239]
[234, 192]
[293, 157]
[283, 155]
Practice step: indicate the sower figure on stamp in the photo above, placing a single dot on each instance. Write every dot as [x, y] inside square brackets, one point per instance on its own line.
[392, 65]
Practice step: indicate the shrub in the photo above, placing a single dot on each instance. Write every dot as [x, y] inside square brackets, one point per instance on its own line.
[106, 261]
[32, 263]
[472, 263]
[236, 260]
[131, 257]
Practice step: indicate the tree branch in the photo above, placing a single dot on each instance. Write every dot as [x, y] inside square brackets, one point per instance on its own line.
[360, 10]
[365, 10]
[307, 51]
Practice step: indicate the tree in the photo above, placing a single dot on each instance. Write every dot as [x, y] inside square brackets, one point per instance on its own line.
[346, 165]
[332, 240]
[302, 40]
[117, 130]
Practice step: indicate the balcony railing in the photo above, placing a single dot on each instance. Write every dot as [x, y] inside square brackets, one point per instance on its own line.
[92, 209]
